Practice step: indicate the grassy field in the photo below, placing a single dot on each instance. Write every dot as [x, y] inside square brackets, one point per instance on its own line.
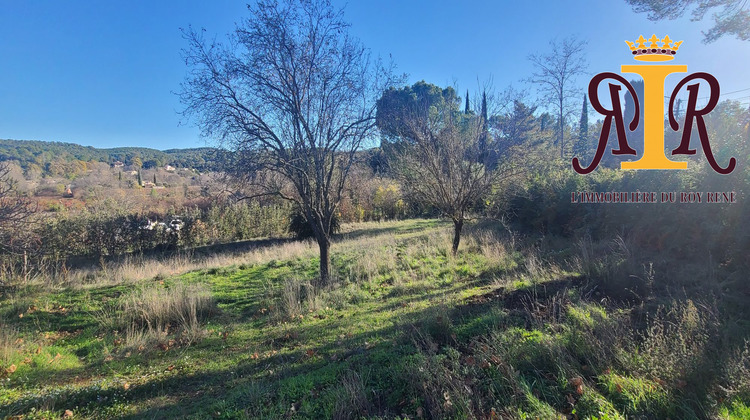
[511, 327]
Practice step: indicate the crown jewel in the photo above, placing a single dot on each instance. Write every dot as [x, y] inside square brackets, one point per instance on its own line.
[653, 51]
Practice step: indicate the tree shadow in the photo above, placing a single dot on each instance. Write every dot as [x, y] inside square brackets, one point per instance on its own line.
[415, 225]
[305, 371]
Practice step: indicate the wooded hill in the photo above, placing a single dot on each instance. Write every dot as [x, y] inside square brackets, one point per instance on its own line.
[34, 154]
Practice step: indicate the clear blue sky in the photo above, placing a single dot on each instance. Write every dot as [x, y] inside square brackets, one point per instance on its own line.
[102, 73]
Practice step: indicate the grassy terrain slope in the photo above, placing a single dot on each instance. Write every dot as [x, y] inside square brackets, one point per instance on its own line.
[509, 328]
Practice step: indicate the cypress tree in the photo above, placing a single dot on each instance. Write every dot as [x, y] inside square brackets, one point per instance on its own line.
[154, 179]
[140, 182]
[466, 108]
[485, 129]
[583, 133]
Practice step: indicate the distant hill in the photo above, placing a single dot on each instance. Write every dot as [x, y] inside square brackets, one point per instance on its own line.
[34, 153]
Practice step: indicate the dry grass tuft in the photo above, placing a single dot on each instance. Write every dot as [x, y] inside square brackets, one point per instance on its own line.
[8, 344]
[149, 315]
[352, 401]
[178, 308]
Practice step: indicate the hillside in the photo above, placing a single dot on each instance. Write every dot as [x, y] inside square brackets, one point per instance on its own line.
[40, 154]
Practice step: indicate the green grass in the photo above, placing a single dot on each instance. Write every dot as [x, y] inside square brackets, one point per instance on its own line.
[405, 329]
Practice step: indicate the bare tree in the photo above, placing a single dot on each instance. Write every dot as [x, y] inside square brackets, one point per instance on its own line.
[294, 96]
[555, 77]
[15, 211]
[443, 157]
[733, 18]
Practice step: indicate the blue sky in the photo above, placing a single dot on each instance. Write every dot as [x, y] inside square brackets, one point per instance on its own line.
[102, 73]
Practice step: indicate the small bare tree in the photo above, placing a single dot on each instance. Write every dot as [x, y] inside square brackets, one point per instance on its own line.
[293, 95]
[15, 209]
[15, 214]
[555, 77]
[443, 157]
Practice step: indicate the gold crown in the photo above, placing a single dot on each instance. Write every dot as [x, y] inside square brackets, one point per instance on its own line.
[654, 52]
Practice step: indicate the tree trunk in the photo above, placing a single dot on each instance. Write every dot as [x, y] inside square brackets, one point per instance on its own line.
[457, 226]
[562, 133]
[325, 260]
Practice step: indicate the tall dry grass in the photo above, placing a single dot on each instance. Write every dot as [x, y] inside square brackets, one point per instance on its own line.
[136, 268]
[8, 344]
[151, 314]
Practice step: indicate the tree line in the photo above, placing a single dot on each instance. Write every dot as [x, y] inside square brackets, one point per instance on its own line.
[56, 158]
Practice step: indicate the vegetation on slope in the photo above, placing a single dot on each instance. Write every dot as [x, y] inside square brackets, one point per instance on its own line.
[511, 327]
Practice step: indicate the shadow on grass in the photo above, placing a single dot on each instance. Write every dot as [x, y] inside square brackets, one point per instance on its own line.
[309, 376]
[418, 225]
[158, 255]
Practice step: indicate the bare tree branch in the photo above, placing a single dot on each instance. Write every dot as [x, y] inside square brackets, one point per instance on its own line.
[555, 79]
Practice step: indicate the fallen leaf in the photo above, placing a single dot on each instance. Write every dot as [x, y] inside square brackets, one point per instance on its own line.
[39, 350]
[20, 315]
[576, 381]
[11, 369]
[68, 414]
[126, 386]
[170, 368]
[19, 341]
[310, 352]
[579, 389]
